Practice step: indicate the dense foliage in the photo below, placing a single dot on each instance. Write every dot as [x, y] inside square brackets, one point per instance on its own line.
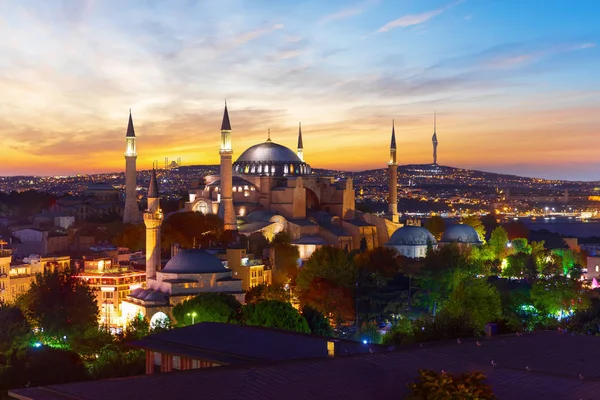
[467, 386]
[208, 307]
[275, 314]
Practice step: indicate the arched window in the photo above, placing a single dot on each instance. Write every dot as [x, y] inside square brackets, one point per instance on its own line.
[291, 168]
[285, 169]
[260, 169]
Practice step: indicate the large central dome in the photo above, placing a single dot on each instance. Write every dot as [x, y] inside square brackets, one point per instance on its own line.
[269, 152]
[271, 159]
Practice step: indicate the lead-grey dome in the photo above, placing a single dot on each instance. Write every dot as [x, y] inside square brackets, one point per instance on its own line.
[270, 158]
[411, 236]
[461, 233]
[194, 261]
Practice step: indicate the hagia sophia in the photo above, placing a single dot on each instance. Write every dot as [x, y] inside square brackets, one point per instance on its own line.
[268, 189]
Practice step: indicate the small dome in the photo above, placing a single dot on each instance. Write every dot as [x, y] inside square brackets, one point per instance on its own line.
[411, 236]
[268, 152]
[461, 233]
[194, 261]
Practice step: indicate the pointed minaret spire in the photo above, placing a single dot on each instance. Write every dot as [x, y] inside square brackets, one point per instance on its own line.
[269, 135]
[300, 151]
[393, 178]
[434, 140]
[225, 125]
[130, 130]
[153, 187]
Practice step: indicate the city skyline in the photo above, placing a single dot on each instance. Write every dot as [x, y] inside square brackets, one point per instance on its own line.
[513, 89]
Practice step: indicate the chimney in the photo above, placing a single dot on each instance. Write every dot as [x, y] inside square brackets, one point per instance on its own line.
[174, 249]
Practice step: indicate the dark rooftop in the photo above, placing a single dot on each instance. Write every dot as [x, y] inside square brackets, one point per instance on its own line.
[555, 361]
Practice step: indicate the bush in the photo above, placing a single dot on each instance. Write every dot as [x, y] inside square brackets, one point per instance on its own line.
[432, 385]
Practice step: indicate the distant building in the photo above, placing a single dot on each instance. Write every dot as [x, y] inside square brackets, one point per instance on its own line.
[461, 234]
[252, 272]
[99, 199]
[40, 241]
[412, 241]
[21, 275]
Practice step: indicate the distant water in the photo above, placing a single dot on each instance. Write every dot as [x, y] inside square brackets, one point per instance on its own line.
[567, 227]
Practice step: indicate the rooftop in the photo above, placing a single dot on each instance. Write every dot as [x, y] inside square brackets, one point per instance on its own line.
[555, 360]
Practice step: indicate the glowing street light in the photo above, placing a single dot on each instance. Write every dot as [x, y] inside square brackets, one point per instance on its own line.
[193, 315]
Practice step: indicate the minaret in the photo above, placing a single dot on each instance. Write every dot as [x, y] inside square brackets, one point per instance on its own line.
[393, 178]
[153, 219]
[226, 174]
[435, 142]
[131, 214]
[300, 151]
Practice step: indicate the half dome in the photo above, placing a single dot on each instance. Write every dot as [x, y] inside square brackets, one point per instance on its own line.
[411, 236]
[194, 261]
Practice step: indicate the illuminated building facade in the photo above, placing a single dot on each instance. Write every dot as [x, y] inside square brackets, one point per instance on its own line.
[112, 284]
[5, 260]
[131, 214]
[20, 276]
[252, 272]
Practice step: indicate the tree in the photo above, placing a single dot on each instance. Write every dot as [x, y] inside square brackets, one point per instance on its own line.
[267, 292]
[467, 386]
[476, 301]
[208, 307]
[189, 228]
[380, 264]
[60, 304]
[132, 236]
[257, 243]
[398, 332]
[286, 258]
[520, 265]
[558, 295]
[489, 223]
[275, 314]
[330, 263]
[521, 245]
[476, 224]
[15, 331]
[335, 302]
[436, 225]
[317, 322]
[498, 242]
[137, 328]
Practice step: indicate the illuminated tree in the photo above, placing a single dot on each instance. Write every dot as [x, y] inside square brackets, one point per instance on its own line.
[267, 292]
[333, 301]
[286, 262]
[521, 245]
[520, 265]
[467, 386]
[208, 307]
[61, 304]
[558, 295]
[498, 242]
[476, 224]
[329, 263]
[275, 314]
[436, 225]
[475, 301]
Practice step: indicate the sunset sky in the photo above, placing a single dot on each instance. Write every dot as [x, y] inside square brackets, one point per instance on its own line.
[515, 83]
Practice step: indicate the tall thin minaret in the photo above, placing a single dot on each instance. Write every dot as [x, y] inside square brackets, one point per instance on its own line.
[226, 174]
[300, 150]
[131, 214]
[393, 178]
[153, 219]
[435, 142]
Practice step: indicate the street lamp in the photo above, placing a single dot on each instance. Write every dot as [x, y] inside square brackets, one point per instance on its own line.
[193, 315]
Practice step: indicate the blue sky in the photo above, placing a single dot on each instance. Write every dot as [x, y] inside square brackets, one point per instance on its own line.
[514, 83]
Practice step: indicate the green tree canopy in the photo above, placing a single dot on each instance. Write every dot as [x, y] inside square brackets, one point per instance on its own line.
[498, 242]
[275, 314]
[317, 322]
[521, 245]
[330, 263]
[208, 307]
[558, 295]
[267, 292]
[476, 301]
[132, 236]
[333, 301]
[436, 225]
[61, 304]
[15, 331]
